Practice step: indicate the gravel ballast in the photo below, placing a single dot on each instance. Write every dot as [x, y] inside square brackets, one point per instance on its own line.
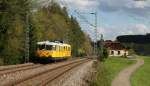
[77, 76]
[21, 75]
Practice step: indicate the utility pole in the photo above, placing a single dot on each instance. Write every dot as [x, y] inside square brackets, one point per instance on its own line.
[27, 45]
[102, 44]
[95, 28]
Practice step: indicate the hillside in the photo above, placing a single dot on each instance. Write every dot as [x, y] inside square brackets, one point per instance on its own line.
[139, 43]
[45, 23]
[139, 39]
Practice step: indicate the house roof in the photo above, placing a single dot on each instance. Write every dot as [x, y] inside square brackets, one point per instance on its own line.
[114, 45]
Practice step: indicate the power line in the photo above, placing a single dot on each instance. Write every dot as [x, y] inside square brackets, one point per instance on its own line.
[84, 18]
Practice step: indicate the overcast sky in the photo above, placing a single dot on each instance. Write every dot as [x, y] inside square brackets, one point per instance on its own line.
[115, 17]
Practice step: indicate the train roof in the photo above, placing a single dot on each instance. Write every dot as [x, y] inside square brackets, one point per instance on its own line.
[52, 43]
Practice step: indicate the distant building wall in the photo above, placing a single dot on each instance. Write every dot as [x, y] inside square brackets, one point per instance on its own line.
[118, 52]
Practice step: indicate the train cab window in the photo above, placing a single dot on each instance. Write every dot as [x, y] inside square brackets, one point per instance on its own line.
[49, 47]
[41, 47]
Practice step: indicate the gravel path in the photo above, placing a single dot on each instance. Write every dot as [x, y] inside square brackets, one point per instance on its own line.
[123, 78]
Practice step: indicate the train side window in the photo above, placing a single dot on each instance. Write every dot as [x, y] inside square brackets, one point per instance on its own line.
[60, 48]
[66, 48]
[54, 47]
[49, 47]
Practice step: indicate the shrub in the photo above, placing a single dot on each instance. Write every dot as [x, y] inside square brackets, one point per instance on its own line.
[102, 54]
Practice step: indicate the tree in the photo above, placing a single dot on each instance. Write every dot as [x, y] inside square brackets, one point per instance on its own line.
[13, 28]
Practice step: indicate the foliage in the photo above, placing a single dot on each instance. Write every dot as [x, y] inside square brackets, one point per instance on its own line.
[102, 78]
[12, 29]
[139, 43]
[140, 49]
[45, 23]
[102, 54]
[139, 39]
[54, 23]
[132, 52]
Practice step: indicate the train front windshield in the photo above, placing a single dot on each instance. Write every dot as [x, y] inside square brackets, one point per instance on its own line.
[45, 47]
[41, 47]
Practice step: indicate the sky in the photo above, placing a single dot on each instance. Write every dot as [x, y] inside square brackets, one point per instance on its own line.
[115, 17]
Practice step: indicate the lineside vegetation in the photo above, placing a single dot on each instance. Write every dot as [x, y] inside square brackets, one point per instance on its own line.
[106, 71]
[141, 77]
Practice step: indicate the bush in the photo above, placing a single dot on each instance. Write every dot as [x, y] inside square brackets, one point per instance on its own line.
[101, 77]
[102, 54]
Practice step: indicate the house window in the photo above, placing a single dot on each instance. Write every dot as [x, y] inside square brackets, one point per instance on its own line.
[112, 52]
[118, 52]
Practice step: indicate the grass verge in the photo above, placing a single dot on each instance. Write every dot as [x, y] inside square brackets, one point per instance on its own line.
[107, 70]
[142, 76]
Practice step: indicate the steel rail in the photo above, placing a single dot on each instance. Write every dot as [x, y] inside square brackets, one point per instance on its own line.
[44, 72]
[51, 79]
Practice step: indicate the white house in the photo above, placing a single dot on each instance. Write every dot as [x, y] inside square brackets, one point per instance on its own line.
[116, 48]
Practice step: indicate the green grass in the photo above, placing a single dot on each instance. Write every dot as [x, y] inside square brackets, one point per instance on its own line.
[142, 76]
[107, 71]
[115, 65]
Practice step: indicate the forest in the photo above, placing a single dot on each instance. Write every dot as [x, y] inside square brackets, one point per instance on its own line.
[50, 22]
[139, 39]
[139, 43]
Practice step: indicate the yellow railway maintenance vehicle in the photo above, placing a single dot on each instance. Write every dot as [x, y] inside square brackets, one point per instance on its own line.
[53, 50]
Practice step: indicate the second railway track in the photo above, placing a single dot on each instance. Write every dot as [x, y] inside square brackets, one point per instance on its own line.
[20, 68]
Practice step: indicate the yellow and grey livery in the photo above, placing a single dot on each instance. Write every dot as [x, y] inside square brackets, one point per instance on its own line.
[53, 50]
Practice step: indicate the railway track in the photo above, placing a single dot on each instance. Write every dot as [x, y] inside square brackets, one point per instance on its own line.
[3, 68]
[45, 76]
[18, 68]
